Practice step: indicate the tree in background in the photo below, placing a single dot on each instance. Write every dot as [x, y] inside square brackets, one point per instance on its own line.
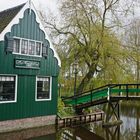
[132, 46]
[87, 34]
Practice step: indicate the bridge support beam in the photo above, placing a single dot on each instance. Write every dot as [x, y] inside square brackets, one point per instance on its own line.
[113, 133]
[112, 116]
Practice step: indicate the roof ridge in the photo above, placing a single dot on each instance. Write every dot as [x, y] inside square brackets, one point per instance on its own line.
[12, 8]
[7, 15]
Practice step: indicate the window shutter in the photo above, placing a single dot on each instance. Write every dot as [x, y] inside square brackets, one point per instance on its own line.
[10, 45]
[47, 43]
[45, 48]
[44, 51]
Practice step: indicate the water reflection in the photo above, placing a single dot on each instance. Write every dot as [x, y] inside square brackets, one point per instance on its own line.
[48, 137]
[79, 133]
[130, 116]
[30, 133]
[113, 133]
[129, 130]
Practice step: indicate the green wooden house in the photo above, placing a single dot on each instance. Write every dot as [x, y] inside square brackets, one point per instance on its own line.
[29, 66]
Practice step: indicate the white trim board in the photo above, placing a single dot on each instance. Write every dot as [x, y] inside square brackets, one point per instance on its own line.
[50, 89]
[20, 15]
[20, 44]
[16, 83]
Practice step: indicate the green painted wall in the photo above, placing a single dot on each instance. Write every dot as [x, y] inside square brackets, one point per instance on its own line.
[26, 106]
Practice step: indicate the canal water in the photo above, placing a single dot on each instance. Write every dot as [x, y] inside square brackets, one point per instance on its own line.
[129, 130]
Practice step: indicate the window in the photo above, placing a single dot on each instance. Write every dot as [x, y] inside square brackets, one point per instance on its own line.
[27, 47]
[38, 48]
[24, 47]
[32, 48]
[16, 45]
[7, 88]
[43, 91]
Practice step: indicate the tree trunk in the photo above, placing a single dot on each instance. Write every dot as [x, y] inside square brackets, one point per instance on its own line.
[138, 71]
[85, 81]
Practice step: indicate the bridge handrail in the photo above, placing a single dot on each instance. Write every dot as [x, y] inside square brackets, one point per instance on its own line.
[88, 91]
[99, 88]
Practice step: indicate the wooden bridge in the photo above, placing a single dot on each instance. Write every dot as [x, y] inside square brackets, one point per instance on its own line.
[110, 94]
[77, 120]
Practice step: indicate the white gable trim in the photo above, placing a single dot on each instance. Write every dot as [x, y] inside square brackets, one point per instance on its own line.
[16, 20]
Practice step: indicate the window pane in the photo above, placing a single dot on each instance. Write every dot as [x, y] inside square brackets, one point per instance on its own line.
[38, 48]
[43, 88]
[31, 47]
[27, 47]
[24, 47]
[16, 45]
[7, 88]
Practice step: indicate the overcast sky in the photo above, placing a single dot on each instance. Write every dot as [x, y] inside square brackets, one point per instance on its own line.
[45, 4]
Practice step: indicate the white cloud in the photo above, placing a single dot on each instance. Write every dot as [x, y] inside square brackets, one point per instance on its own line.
[45, 4]
[5, 4]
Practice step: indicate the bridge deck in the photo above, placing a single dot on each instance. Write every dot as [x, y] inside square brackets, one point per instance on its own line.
[79, 119]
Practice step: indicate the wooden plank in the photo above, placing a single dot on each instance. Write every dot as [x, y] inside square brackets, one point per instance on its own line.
[80, 119]
[113, 123]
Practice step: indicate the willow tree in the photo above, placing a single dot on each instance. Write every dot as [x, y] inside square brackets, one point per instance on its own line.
[87, 32]
[132, 45]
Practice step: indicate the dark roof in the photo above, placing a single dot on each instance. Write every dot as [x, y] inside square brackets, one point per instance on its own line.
[7, 15]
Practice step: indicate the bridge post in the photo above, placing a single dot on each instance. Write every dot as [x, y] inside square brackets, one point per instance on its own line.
[108, 94]
[91, 97]
[127, 91]
[119, 89]
[137, 93]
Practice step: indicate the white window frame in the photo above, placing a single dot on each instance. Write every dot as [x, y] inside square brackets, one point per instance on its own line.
[50, 89]
[16, 82]
[28, 46]
[19, 45]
